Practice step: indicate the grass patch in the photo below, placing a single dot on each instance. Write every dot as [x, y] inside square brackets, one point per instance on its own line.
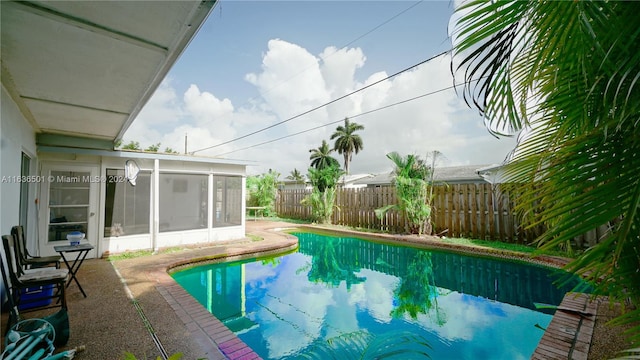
[499, 245]
[141, 253]
[275, 218]
[130, 255]
[255, 237]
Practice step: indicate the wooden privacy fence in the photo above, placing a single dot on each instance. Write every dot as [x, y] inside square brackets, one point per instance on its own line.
[478, 211]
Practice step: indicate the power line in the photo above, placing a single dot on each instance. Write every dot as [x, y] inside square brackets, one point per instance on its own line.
[302, 71]
[347, 44]
[382, 24]
[341, 120]
[330, 55]
[325, 104]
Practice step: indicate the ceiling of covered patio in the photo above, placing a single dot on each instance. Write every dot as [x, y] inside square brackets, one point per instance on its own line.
[86, 68]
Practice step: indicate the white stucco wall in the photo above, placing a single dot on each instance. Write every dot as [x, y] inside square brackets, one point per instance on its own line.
[16, 136]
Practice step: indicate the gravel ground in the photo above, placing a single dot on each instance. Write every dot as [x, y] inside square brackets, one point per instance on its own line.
[607, 340]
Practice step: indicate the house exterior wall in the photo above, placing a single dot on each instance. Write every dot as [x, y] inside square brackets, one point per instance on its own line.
[16, 137]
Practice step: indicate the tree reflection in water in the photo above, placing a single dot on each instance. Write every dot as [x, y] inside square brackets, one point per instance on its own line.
[334, 261]
[417, 294]
[326, 268]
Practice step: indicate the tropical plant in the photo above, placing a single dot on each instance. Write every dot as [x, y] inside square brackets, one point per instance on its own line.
[135, 145]
[629, 354]
[295, 175]
[569, 74]
[153, 147]
[321, 157]
[411, 174]
[347, 142]
[410, 166]
[131, 145]
[362, 345]
[262, 190]
[323, 195]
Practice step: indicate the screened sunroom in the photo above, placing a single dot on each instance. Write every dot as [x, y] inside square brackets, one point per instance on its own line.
[126, 201]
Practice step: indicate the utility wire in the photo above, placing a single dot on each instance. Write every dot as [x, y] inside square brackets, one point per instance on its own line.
[325, 104]
[382, 24]
[302, 71]
[348, 44]
[341, 120]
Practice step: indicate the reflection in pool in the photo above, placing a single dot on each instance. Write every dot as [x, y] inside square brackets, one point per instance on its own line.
[465, 307]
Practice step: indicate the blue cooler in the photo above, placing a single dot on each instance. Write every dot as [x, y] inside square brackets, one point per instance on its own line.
[35, 297]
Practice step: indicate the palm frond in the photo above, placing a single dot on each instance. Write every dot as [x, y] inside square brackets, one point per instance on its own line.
[362, 345]
[570, 73]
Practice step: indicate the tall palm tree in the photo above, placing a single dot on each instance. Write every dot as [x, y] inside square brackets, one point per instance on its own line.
[295, 175]
[347, 142]
[569, 72]
[321, 157]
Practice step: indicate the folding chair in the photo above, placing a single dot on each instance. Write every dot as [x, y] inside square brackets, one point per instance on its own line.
[27, 259]
[19, 280]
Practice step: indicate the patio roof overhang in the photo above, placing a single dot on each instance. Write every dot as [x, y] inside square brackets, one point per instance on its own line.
[85, 69]
[133, 154]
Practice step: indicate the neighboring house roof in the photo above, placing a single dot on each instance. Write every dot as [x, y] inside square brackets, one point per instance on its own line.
[86, 68]
[451, 175]
[458, 174]
[492, 174]
[352, 178]
[379, 179]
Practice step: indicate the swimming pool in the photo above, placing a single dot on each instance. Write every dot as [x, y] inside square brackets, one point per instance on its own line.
[341, 287]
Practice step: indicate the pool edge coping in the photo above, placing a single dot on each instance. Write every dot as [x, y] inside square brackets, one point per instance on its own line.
[213, 335]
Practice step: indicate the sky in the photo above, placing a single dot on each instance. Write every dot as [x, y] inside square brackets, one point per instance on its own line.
[245, 86]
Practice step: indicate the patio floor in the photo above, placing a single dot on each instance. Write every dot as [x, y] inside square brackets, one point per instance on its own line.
[109, 323]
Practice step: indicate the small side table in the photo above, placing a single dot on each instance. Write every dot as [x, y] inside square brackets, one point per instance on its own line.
[82, 250]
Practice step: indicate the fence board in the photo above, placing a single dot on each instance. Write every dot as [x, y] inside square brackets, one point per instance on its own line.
[480, 211]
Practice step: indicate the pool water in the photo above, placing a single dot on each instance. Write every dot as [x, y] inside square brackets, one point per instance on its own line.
[338, 294]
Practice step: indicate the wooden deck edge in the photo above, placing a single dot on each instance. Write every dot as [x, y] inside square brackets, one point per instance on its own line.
[569, 333]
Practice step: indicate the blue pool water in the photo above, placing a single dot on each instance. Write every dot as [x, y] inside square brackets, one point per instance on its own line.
[345, 289]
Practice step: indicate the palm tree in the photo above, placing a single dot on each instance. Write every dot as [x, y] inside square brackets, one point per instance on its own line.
[295, 175]
[321, 157]
[347, 142]
[569, 72]
[410, 166]
[412, 191]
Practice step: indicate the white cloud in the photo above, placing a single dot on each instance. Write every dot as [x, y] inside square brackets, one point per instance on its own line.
[206, 108]
[292, 81]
